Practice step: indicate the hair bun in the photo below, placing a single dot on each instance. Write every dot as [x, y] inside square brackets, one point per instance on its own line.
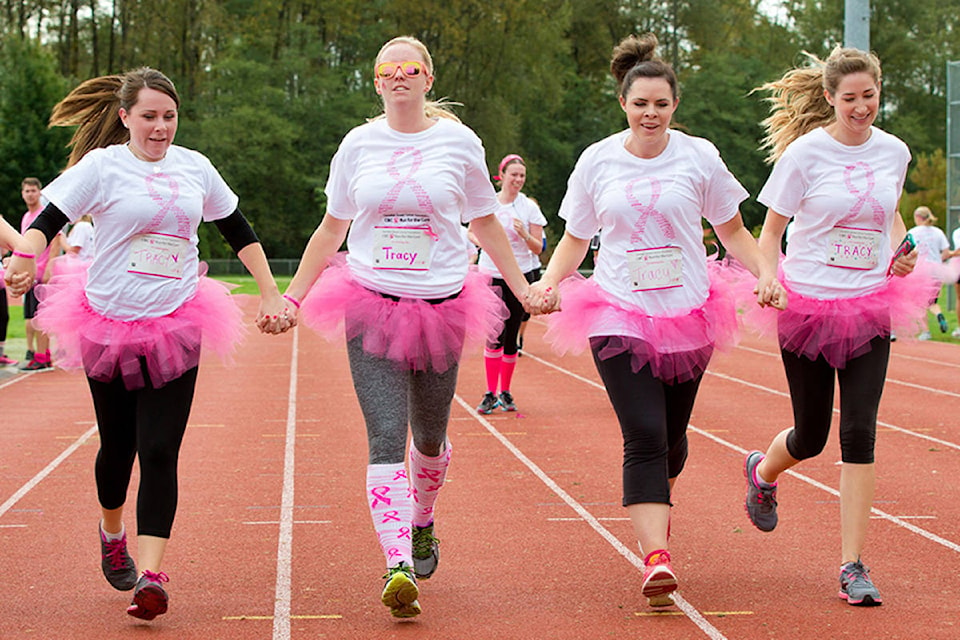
[631, 51]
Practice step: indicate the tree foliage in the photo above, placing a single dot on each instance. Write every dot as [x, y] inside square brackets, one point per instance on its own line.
[270, 87]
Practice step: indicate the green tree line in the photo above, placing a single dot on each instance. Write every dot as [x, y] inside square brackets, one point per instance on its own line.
[270, 87]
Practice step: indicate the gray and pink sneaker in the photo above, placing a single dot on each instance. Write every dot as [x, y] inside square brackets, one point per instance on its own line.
[116, 563]
[761, 500]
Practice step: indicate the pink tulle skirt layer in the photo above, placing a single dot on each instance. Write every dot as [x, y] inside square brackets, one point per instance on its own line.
[840, 329]
[417, 334]
[106, 348]
[677, 347]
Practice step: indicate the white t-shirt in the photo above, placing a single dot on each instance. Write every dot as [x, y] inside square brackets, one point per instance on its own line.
[648, 213]
[407, 195]
[81, 235]
[843, 200]
[931, 241]
[527, 211]
[146, 215]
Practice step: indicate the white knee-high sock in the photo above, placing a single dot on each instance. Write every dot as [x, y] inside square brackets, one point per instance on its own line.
[391, 507]
[427, 475]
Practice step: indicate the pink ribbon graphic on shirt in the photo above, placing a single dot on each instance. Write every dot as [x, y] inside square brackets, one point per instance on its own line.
[879, 216]
[648, 210]
[380, 495]
[423, 198]
[167, 206]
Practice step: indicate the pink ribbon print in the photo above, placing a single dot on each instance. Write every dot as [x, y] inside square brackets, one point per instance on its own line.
[167, 205]
[423, 198]
[380, 495]
[863, 198]
[649, 210]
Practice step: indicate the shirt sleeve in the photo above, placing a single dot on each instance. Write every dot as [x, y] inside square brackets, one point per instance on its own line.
[577, 207]
[76, 191]
[785, 188]
[219, 200]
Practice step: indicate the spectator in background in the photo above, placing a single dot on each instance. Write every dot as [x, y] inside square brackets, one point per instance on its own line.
[932, 245]
[523, 223]
[38, 343]
[9, 239]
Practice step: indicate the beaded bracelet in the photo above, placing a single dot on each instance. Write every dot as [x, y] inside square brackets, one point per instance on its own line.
[292, 299]
[20, 254]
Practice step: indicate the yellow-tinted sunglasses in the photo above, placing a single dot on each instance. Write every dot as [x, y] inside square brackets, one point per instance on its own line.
[411, 68]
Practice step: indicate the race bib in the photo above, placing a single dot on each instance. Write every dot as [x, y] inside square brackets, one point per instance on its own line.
[402, 248]
[158, 254]
[852, 248]
[653, 269]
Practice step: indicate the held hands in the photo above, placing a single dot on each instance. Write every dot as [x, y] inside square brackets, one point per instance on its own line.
[19, 273]
[542, 298]
[277, 314]
[904, 265]
[770, 293]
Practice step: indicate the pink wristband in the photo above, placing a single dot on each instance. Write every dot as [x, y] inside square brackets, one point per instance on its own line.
[20, 254]
[292, 299]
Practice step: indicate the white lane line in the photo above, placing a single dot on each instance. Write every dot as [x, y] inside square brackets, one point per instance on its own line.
[932, 537]
[37, 479]
[281, 606]
[691, 612]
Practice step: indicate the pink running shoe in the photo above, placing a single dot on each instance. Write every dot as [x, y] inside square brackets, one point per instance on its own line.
[7, 361]
[149, 599]
[658, 578]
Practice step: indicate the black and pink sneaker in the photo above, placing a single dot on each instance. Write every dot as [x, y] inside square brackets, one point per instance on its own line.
[150, 598]
[116, 563]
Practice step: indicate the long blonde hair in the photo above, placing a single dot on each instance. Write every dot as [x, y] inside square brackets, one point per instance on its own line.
[797, 101]
[93, 107]
[433, 108]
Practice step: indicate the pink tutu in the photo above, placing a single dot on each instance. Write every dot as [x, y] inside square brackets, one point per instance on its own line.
[677, 348]
[106, 348]
[840, 329]
[413, 332]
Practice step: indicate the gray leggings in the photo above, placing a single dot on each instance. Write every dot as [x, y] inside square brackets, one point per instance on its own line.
[391, 396]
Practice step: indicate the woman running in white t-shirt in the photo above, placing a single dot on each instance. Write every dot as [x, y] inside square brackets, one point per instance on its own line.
[839, 178]
[523, 222]
[399, 190]
[136, 320]
[653, 311]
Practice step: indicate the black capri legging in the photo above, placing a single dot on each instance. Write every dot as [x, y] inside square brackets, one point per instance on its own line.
[4, 315]
[147, 423]
[653, 418]
[507, 340]
[811, 393]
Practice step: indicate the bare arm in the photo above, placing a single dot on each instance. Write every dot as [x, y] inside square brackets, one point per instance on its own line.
[569, 254]
[269, 316]
[323, 245]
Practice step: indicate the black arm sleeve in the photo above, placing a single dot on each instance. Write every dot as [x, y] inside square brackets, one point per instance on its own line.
[50, 221]
[236, 230]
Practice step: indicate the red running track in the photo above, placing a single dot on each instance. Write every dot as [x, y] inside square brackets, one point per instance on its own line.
[273, 539]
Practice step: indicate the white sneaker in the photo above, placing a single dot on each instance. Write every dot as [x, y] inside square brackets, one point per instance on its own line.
[924, 336]
[956, 333]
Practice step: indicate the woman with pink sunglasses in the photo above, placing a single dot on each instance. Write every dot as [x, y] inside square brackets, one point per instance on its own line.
[400, 188]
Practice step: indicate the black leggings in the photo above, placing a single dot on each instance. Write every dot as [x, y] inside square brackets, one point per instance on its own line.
[515, 315]
[147, 423]
[4, 315]
[811, 393]
[653, 418]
